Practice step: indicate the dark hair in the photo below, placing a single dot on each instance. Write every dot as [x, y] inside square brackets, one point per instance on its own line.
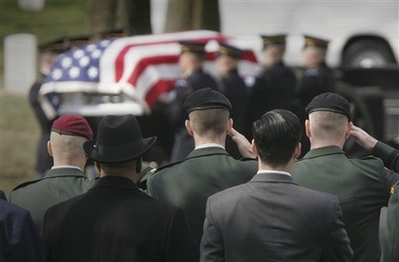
[209, 122]
[276, 135]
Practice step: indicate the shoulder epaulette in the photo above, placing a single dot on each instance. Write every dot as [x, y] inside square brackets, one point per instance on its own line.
[26, 183]
[168, 165]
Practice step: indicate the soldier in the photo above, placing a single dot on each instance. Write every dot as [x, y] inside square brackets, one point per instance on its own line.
[234, 88]
[208, 168]
[317, 78]
[49, 52]
[361, 185]
[194, 78]
[275, 86]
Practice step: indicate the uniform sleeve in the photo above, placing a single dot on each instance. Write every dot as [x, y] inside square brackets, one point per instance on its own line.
[181, 245]
[388, 154]
[211, 247]
[391, 238]
[337, 248]
[151, 189]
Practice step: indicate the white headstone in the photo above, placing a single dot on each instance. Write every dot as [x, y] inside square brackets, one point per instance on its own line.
[19, 61]
[31, 5]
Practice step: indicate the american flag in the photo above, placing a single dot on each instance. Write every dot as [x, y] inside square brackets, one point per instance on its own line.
[140, 67]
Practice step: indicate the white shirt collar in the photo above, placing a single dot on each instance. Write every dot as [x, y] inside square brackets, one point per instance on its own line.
[58, 167]
[208, 145]
[273, 171]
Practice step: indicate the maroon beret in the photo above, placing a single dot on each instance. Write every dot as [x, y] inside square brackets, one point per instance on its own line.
[73, 125]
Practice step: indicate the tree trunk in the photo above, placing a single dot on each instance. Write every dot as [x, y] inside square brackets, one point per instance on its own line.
[138, 16]
[100, 15]
[134, 15]
[192, 14]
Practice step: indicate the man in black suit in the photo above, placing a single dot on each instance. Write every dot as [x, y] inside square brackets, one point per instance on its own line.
[193, 78]
[114, 220]
[234, 88]
[270, 217]
[275, 86]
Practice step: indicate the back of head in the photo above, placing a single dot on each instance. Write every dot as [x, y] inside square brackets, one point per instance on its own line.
[209, 112]
[329, 114]
[68, 133]
[276, 135]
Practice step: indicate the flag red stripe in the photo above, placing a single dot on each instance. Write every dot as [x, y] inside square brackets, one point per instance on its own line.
[156, 90]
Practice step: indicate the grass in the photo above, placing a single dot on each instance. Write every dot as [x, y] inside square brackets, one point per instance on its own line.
[19, 130]
[18, 140]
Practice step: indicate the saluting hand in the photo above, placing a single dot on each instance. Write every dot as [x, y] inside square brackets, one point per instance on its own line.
[244, 147]
[363, 138]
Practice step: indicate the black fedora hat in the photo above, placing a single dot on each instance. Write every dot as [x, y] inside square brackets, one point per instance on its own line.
[119, 139]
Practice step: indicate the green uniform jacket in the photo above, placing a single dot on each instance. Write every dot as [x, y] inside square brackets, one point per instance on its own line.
[188, 184]
[58, 185]
[362, 187]
[390, 251]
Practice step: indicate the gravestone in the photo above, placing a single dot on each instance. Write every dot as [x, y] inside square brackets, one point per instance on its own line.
[19, 62]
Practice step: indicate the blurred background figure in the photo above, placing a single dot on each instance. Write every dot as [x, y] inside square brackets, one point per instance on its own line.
[193, 78]
[316, 78]
[48, 52]
[234, 88]
[275, 86]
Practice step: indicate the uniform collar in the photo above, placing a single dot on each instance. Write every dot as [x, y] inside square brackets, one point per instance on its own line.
[207, 145]
[206, 151]
[64, 171]
[323, 151]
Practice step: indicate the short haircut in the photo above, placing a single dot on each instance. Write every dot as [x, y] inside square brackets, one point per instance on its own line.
[276, 134]
[67, 146]
[209, 122]
[328, 125]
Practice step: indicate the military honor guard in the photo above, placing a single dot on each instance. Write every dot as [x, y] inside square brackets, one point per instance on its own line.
[234, 88]
[193, 78]
[275, 86]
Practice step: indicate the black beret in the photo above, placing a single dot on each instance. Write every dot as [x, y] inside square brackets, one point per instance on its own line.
[330, 102]
[206, 98]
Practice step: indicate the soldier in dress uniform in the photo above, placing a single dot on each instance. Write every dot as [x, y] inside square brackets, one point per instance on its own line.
[275, 86]
[193, 78]
[234, 88]
[317, 78]
[49, 52]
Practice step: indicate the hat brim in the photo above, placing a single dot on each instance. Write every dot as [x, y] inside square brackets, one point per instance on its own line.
[128, 154]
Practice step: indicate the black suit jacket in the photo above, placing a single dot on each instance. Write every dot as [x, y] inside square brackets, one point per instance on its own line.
[271, 218]
[115, 221]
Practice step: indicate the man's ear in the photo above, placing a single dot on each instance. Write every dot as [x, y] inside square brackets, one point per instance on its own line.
[297, 151]
[189, 128]
[307, 128]
[49, 148]
[229, 126]
[348, 130]
[139, 165]
[254, 149]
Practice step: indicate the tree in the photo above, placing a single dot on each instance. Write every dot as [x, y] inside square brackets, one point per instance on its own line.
[192, 14]
[134, 15]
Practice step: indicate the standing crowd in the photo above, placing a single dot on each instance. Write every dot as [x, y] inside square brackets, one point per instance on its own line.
[256, 174]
